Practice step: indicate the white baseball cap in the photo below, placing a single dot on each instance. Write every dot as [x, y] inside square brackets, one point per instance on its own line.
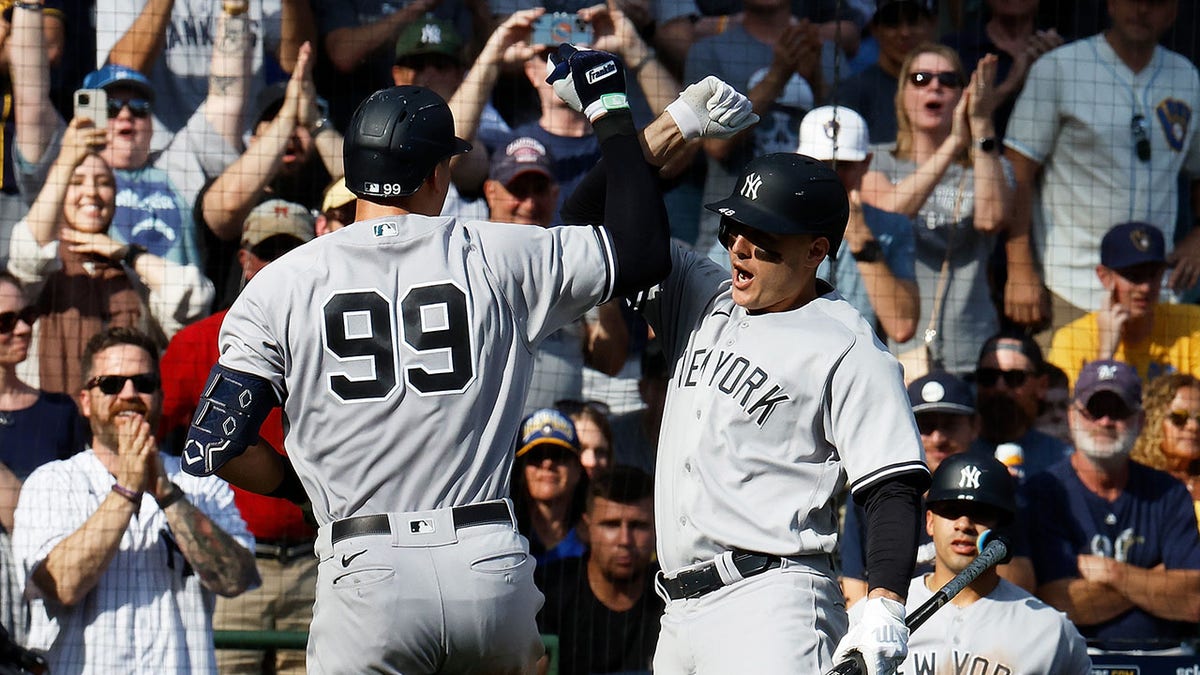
[834, 132]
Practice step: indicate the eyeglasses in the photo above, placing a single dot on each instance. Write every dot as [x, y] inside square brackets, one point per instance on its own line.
[138, 107]
[144, 383]
[8, 320]
[989, 377]
[1112, 407]
[569, 407]
[924, 78]
[1180, 417]
[1141, 137]
[729, 231]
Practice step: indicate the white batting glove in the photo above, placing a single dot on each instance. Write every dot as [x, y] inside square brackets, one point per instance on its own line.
[880, 637]
[711, 109]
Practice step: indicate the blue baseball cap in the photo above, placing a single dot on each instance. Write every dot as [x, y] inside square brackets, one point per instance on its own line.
[1107, 375]
[547, 427]
[941, 392]
[1130, 244]
[113, 75]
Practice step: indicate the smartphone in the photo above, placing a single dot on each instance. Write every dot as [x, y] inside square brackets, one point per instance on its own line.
[555, 28]
[92, 104]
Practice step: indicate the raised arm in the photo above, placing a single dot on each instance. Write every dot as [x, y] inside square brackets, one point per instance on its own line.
[229, 73]
[232, 195]
[142, 44]
[896, 301]
[993, 194]
[36, 118]
[297, 26]
[1025, 299]
[350, 46]
[616, 33]
[45, 216]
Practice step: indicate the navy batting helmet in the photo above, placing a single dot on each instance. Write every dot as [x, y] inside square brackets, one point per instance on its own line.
[787, 193]
[979, 478]
[395, 139]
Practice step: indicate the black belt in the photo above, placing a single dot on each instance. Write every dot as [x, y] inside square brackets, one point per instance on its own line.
[282, 550]
[484, 513]
[695, 582]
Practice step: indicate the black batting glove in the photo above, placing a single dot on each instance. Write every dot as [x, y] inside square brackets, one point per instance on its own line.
[588, 80]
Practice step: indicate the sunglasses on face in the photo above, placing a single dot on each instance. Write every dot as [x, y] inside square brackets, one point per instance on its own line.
[144, 383]
[729, 232]
[1099, 407]
[554, 453]
[8, 320]
[990, 377]
[138, 107]
[924, 78]
[929, 422]
[1180, 417]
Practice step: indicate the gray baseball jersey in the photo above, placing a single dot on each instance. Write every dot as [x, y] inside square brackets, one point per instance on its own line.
[404, 354]
[767, 418]
[1006, 632]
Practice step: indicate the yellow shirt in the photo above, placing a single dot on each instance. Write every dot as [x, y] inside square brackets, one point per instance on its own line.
[1173, 345]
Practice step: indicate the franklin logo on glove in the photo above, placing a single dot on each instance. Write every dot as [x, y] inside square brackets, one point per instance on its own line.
[606, 69]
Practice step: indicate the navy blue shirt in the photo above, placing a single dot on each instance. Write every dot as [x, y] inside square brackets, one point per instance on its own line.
[1152, 522]
[49, 429]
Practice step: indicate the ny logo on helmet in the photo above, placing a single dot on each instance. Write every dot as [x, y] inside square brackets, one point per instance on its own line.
[968, 477]
[750, 187]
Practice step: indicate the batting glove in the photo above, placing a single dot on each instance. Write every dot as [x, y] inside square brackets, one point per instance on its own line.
[588, 80]
[880, 638]
[711, 109]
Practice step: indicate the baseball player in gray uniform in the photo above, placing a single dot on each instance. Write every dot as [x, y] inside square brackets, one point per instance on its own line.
[780, 396]
[401, 348]
[972, 493]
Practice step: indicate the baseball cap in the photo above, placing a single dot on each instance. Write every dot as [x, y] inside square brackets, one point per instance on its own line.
[832, 132]
[113, 75]
[277, 217]
[940, 391]
[1107, 375]
[1130, 244]
[521, 155]
[429, 35]
[547, 426]
[337, 194]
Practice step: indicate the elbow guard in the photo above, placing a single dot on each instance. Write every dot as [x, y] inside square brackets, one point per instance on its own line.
[230, 412]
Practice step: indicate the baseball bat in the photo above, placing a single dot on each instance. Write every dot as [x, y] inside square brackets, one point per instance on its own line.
[993, 550]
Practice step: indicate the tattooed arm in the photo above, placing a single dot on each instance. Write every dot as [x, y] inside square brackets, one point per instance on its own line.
[225, 566]
[229, 76]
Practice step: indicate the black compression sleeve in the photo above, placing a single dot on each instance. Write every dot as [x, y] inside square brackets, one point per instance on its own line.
[290, 488]
[585, 206]
[634, 214]
[893, 517]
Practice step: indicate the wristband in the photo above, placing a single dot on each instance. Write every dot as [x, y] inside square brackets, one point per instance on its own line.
[173, 496]
[131, 495]
[685, 118]
[642, 64]
[606, 103]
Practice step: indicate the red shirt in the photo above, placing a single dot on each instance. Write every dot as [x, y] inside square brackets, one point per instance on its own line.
[185, 367]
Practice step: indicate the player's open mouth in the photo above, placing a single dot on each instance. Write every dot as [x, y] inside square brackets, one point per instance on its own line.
[741, 278]
[963, 547]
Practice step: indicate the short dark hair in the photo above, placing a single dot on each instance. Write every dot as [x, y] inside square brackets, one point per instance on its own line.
[115, 336]
[1029, 347]
[621, 484]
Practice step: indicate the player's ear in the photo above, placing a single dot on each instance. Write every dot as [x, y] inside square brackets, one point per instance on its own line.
[817, 250]
[929, 522]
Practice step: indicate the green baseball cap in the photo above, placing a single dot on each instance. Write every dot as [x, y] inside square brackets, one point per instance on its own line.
[429, 35]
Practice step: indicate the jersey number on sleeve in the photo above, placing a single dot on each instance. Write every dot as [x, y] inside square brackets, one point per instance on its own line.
[435, 324]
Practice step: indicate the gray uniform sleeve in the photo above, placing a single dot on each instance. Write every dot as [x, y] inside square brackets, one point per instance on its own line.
[674, 306]
[248, 342]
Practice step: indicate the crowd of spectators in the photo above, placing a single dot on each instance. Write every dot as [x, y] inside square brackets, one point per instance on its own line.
[1021, 178]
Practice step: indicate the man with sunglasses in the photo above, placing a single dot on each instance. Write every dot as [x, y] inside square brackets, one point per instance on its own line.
[1132, 324]
[1115, 543]
[122, 551]
[1098, 136]
[973, 494]
[1010, 384]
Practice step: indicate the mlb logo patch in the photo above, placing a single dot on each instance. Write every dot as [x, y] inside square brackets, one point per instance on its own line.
[421, 526]
[386, 230]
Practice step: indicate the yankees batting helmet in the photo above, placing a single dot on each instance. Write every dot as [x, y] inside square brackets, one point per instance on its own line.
[974, 477]
[395, 139]
[787, 193]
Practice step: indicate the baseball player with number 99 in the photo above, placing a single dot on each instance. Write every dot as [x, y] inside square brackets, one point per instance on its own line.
[780, 396]
[401, 349]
